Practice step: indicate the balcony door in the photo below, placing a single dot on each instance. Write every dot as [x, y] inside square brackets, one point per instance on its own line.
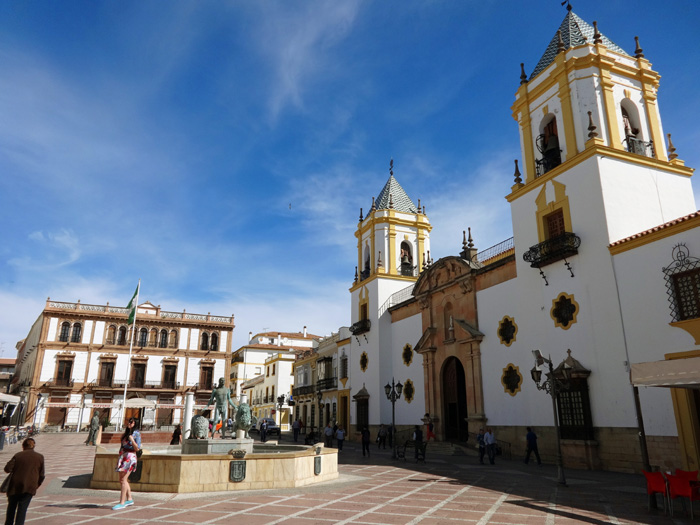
[106, 374]
[138, 375]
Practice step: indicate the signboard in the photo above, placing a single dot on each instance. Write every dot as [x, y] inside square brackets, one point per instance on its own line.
[62, 405]
[100, 405]
[169, 405]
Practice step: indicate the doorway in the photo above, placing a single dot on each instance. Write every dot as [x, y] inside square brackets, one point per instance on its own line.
[454, 395]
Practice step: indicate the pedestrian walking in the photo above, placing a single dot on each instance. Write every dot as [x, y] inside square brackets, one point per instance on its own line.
[26, 472]
[381, 437]
[418, 439]
[340, 437]
[296, 427]
[480, 439]
[263, 431]
[490, 442]
[429, 428]
[531, 439]
[130, 445]
[365, 440]
[328, 436]
[94, 427]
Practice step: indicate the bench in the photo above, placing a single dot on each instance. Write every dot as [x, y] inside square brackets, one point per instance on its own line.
[410, 446]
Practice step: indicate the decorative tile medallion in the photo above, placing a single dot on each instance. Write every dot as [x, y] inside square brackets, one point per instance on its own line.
[408, 391]
[564, 311]
[511, 379]
[364, 361]
[407, 354]
[317, 465]
[507, 330]
[237, 470]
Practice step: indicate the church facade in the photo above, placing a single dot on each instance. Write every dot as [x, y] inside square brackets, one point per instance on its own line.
[602, 276]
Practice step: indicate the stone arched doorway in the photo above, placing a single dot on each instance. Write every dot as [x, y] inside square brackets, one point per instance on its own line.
[454, 396]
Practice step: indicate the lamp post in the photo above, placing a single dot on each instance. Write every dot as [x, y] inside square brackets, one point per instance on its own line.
[553, 387]
[393, 392]
[319, 395]
[36, 411]
[280, 402]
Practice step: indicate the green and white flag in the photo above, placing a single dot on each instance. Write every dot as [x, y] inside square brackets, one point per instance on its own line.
[132, 304]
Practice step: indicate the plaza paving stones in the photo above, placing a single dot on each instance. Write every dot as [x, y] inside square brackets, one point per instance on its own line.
[445, 490]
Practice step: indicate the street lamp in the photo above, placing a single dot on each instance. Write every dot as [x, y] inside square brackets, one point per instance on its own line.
[393, 392]
[36, 411]
[319, 395]
[280, 402]
[553, 387]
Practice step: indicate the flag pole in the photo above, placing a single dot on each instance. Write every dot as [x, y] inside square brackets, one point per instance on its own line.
[131, 320]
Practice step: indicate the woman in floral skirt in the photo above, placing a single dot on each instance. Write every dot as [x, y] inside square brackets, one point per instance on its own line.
[131, 444]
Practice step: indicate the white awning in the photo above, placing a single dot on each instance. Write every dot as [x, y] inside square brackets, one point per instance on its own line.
[140, 402]
[675, 373]
[7, 398]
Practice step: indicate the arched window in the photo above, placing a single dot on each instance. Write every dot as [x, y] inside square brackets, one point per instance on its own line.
[143, 337]
[205, 341]
[163, 339]
[153, 337]
[633, 139]
[65, 332]
[548, 145]
[172, 343]
[121, 340]
[111, 334]
[77, 331]
[214, 342]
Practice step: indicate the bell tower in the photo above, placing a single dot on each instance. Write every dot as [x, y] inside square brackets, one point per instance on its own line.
[393, 245]
[588, 112]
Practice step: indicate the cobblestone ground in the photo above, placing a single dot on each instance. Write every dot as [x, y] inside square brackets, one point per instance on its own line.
[376, 490]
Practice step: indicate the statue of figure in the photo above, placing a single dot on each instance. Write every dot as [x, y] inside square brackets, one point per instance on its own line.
[200, 427]
[244, 419]
[94, 428]
[221, 395]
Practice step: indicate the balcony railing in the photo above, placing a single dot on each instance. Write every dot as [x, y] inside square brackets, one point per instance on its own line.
[639, 147]
[302, 390]
[203, 386]
[552, 250]
[60, 383]
[407, 270]
[551, 154]
[360, 327]
[326, 384]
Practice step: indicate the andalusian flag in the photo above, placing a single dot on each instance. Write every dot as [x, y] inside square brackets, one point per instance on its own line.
[132, 304]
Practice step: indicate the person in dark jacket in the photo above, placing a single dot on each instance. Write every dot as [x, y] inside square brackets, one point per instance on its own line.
[27, 471]
[365, 440]
[531, 438]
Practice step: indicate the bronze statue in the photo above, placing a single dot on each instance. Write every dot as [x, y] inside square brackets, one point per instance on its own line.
[221, 395]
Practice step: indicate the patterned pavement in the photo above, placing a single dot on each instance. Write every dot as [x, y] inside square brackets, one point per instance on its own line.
[378, 490]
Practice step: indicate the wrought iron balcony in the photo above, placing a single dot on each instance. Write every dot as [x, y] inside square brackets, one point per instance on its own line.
[360, 327]
[327, 384]
[60, 383]
[302, 390]
[552, 250]
[639, 147]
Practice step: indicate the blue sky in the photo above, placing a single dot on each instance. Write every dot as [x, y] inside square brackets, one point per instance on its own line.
[221, 151]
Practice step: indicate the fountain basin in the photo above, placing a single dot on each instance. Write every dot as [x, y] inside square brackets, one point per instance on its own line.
[165, 469]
